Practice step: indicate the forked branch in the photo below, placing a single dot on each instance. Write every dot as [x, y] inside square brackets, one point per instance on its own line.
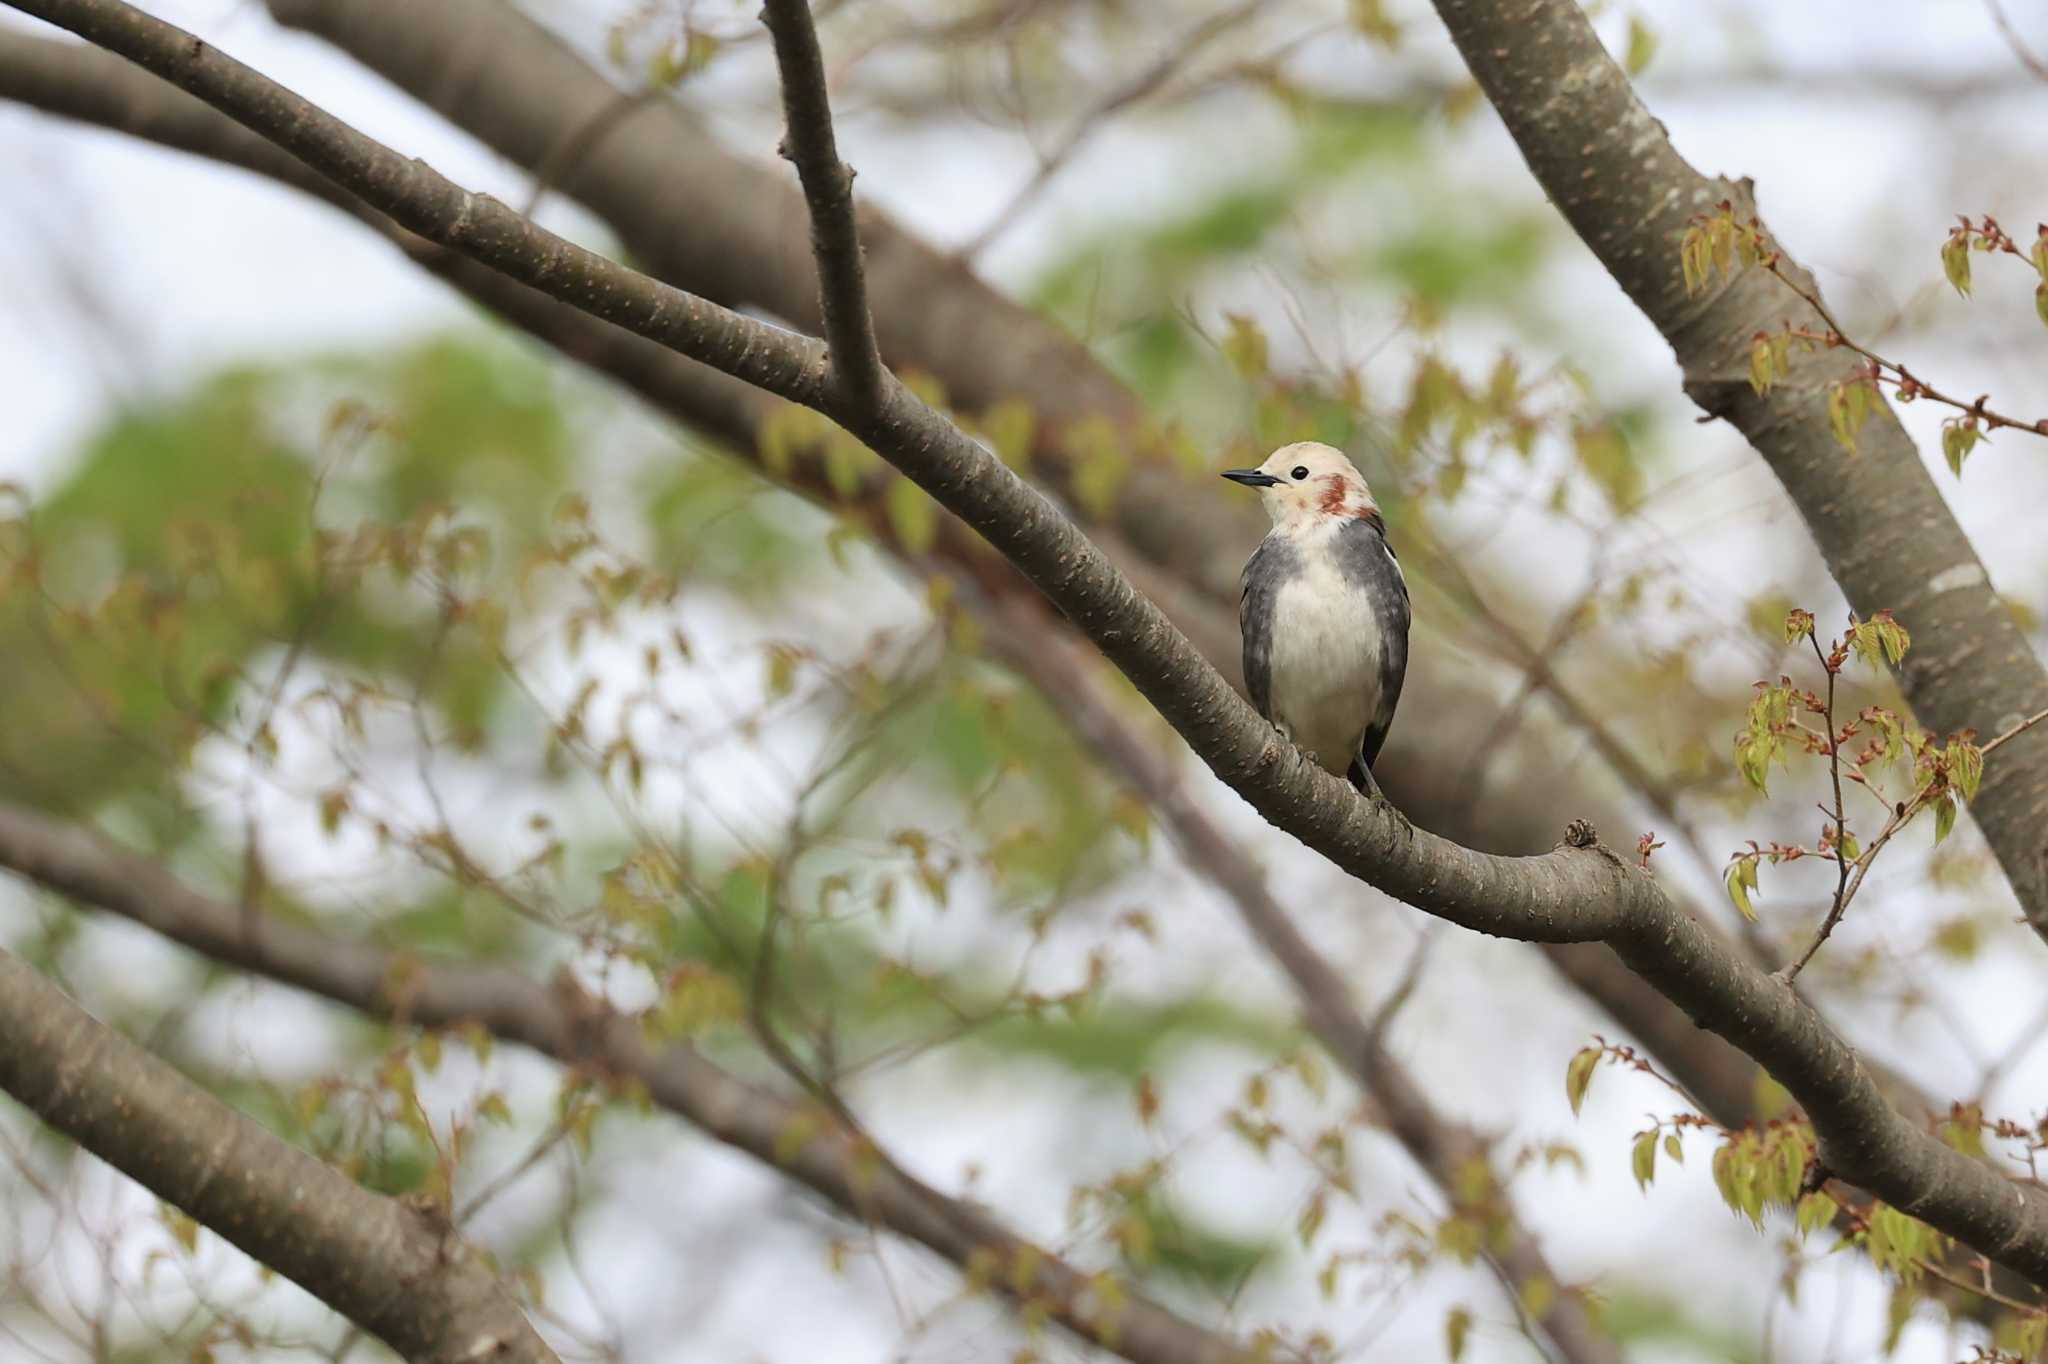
[809, 142]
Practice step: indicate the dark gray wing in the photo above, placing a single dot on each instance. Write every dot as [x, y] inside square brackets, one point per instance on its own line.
[1271, 564]
[1369, 561]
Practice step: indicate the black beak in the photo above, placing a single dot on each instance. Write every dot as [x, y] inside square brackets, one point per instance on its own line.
[1251, 478]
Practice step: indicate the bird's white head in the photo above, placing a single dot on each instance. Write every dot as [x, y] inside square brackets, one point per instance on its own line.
[1308, 484]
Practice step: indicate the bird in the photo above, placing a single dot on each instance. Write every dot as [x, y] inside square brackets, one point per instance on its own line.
[1323, 609]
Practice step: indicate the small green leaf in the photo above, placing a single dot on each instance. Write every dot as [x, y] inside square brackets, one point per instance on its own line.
[1955, 261]
[1965, 766]
[1457, 1326]
[1741, 880]
[2041, 300]
[1944, 818]
[1674, 1148]
[1578, 1075]
[1838, 418]
[1892, 637]
[1643, 1159]
[1880, 640]
[1693, 259]
[1960, 435]
[1642, 45]
[1815, 1210]
[1311, 1220]
[1761, 370]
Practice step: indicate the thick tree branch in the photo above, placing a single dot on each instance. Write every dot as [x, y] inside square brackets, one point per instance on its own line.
[1448, 1152]
[397, 1270]
[1571, 894]
[1880, 523]
[565, 1023]
[811, 146]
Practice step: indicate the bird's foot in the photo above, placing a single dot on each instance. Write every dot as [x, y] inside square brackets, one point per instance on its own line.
[1369, 787]
[1287, 737]
[1407, 825]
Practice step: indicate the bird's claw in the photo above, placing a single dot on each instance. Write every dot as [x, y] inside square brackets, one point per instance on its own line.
[1407, 825]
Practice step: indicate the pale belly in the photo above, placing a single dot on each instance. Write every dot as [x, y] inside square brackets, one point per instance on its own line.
[1326, 665]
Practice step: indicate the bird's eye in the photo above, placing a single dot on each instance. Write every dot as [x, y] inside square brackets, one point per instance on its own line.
[1300, 472]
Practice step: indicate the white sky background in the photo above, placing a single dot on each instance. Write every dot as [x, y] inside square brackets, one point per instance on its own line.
[188, 267]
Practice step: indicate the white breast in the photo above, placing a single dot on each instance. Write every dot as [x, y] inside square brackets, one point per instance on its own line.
[1326, 658]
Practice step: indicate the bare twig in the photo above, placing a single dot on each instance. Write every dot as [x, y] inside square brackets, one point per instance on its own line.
[1909, 386]
[1833, 668]
[2029, 1037]
[2021, 728]
[581, 139]
[828, 189]
[2025, 54]
[1853, 870]
[1098, 114]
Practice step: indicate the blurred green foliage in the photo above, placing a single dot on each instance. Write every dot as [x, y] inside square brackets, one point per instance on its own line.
[377, 519]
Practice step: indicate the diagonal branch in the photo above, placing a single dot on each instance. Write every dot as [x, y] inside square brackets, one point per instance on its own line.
[1448, 1152]
[1579, 892]
[565, 1023]
[1097, 115]
[397, 1270]
[828, 189]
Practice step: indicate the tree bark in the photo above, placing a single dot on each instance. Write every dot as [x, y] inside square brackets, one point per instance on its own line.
[1879, 521]
[394, 1268]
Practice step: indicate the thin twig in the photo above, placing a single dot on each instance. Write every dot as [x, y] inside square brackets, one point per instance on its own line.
[1093, 119]
[2027, 1039]
[1841, 904]
[579, 141]
[1901, 816]
[1909, 385]
[2021, 728]
[535, 1155]
[2012, 38]
[828, 190]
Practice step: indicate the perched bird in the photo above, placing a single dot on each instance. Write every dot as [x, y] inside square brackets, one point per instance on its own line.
[1324, 610]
